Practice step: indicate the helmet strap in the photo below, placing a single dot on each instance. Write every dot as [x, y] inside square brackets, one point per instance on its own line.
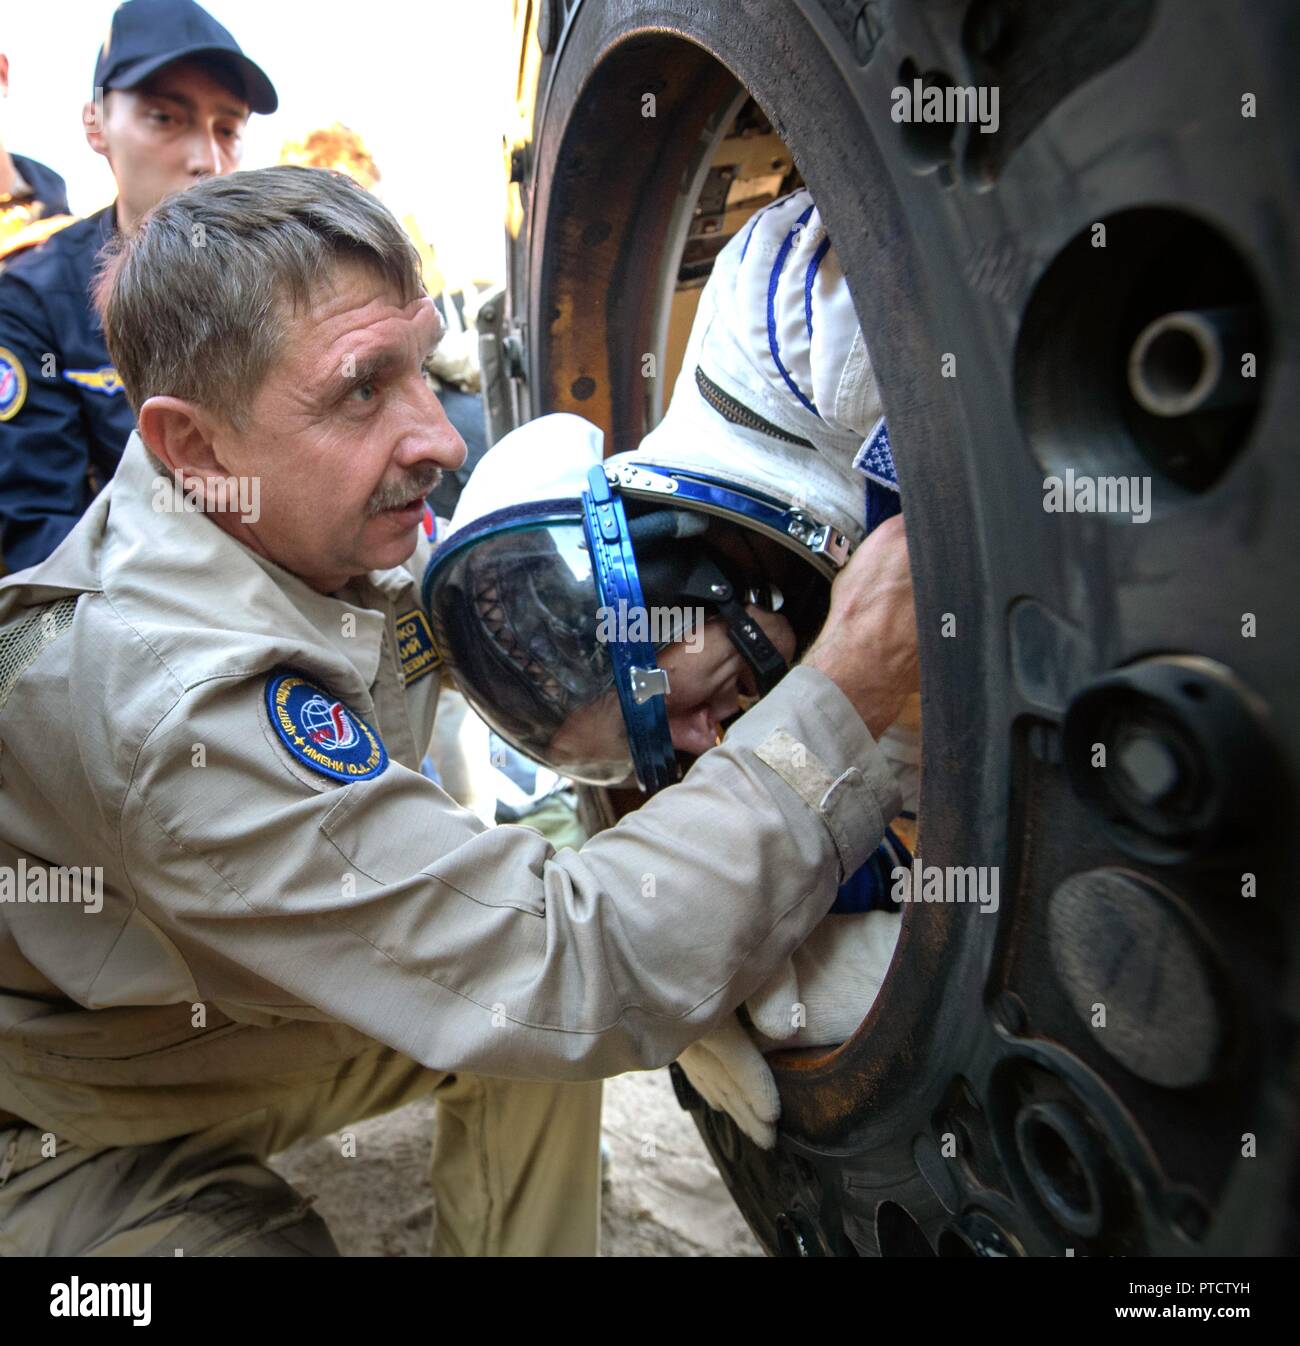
[707, 585]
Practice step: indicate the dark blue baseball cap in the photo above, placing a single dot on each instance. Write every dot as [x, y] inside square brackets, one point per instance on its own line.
[149, 34]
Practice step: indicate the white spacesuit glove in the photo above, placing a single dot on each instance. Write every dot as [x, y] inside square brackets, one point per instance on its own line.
[818, 998]
[827, 988]
[729, 1073]
[824, 990]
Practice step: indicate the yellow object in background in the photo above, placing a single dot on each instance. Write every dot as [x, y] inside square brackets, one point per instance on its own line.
[21, 227]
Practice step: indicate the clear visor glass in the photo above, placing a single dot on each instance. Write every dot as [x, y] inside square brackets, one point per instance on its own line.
[516, 615]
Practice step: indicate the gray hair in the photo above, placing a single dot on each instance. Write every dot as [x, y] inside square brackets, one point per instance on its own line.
[196, 303]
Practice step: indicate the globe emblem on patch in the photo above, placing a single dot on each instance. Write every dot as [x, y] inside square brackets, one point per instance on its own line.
[328, 725]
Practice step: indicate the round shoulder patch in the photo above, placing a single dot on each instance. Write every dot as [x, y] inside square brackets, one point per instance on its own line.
[13, 384]
[320, 731]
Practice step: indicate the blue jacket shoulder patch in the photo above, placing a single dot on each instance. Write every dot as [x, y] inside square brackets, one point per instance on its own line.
[13, 384]
[320, 731]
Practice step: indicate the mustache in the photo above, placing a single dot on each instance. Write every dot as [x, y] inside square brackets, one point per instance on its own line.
[420, 482]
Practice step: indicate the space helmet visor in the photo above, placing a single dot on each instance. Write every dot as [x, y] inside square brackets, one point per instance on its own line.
[513, 602]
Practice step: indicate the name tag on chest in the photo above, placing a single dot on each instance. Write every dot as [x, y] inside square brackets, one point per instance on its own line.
[416, 650]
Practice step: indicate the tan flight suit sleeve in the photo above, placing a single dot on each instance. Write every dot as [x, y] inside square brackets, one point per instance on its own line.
[383, 905]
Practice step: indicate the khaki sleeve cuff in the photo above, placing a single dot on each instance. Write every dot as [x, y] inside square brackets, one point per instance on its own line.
[808, 732]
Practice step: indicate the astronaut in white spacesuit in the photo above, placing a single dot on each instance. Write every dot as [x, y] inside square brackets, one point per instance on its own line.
[608, 617]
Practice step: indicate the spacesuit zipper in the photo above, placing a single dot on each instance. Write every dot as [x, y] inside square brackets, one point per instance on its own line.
[738, 414]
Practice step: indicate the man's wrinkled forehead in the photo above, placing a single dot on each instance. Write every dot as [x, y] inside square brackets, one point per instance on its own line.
[359, 320]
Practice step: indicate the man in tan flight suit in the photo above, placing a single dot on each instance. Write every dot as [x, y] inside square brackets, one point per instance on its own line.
[232, 911]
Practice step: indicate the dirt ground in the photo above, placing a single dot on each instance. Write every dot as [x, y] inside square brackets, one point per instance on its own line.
[669, 1204]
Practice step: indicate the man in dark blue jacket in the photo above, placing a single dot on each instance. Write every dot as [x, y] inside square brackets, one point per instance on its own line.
[176, 94]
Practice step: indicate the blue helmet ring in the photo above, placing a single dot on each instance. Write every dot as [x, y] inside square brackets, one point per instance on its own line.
[641, 684]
